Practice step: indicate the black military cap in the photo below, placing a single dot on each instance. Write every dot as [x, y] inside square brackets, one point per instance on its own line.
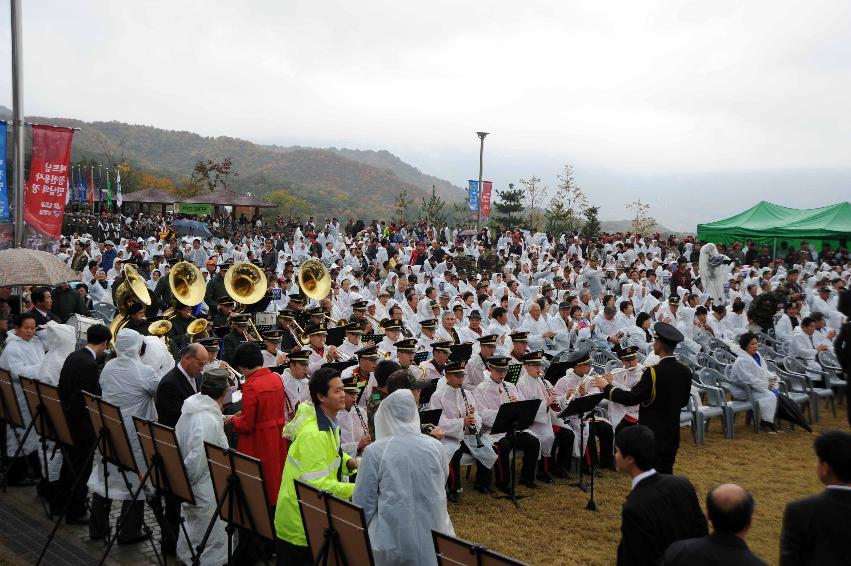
[315, 311]
[390, 324]
[533, 359]
[498, 362]
[428, 323]
[272, 335]
[286, 313]
[240, 319]
[354, 328]
[368, 353]
[441, 346]
[211, 344]
[226, 301]
[487, 340]
[360, 306]
[313, 329]
[579, 357]
[519, 336]
[350, 384]
[454, 367]
[406, 345]
[295, 298]
[668, 333]
[475, 314]
[299, 356]
[627, 353]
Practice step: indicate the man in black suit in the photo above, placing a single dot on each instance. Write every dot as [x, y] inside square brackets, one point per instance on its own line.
[815, 529]
[660, 509]
[42, 306]
[175, 387]
[79, 373]
[730, 509]
[662, 391]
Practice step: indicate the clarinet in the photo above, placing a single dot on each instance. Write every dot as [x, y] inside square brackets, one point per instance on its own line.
[507, 394]
[549, 389]
[474, 430]
[362, 422]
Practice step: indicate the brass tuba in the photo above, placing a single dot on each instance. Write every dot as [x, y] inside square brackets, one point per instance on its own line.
[187, 285]
[161, 328]
[132, 290]
[313, 279]
[196, 327]
[245, 283]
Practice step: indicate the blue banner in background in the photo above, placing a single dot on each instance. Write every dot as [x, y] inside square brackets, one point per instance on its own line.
[4, 193]
[474, 194]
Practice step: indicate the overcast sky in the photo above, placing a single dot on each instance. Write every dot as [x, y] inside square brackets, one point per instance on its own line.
[684, 104]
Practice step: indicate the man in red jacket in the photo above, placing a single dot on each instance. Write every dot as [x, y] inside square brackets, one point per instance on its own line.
[259, 425]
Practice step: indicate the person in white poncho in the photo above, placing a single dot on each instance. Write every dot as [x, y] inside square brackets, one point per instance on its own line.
[749, 372]
[127, 382]
[23, 355]
[201, 421]
[400, 485]
[61, 341]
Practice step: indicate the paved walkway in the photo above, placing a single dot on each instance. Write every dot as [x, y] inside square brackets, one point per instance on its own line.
[24, 529]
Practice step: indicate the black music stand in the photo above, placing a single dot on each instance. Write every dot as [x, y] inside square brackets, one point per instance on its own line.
[584, 407]
[513, 373]
[430, 416]
[556, 371]
[372, 338]
[51, 427]
[336, 336]
[420, 357]
[165, 467]
[11, 416]
[43, 399]
[511, 418]
[336, 530]
[460, 352]
[240, 496]
[113, 443]
[452, 551]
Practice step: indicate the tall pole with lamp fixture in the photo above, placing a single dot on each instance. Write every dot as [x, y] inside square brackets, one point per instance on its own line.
[482, 136]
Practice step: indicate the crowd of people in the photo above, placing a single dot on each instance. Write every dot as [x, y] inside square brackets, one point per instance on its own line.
[419, 317]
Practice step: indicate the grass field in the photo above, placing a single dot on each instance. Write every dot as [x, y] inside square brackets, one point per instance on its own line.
[553, 526]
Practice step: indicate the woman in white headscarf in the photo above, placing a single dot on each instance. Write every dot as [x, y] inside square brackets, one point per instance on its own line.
[127, 382]
[22, 355]
[61, 342]
[401, 485]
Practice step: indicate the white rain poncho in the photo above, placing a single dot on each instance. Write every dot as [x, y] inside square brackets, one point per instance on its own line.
[201, 421]
[127, 382]
[21, 357]
[61, 341]
[157, 356]
[401, 485]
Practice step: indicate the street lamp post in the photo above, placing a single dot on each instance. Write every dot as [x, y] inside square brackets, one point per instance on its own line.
[481, 156]
[18, 119]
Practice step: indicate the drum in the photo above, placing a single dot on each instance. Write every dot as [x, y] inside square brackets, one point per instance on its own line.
[81, 324]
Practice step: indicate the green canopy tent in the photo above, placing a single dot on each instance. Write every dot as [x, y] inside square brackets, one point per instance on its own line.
[768, 223]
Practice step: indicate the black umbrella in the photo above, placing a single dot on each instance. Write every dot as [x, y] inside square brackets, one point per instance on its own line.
[789, 411]
[185, 227]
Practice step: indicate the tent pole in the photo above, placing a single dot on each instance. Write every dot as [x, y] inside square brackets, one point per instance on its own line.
[775, 248]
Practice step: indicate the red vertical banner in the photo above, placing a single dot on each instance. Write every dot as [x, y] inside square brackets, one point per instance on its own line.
[486, 198]
[44, 201]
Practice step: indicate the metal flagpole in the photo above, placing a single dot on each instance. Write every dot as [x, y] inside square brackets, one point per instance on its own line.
[18, 118]
[481, 157]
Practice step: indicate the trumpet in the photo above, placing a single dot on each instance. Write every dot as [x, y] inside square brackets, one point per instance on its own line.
[334, 356]
[474, 430]
[337, 322]
[301, 337]
[236, 378]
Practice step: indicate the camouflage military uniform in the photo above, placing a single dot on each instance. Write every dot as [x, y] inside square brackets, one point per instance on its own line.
[762, 310]
[371, 406]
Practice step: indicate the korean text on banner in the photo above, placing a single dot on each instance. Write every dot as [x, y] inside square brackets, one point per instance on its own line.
[474, 194]
[4, 193]
[44, 203]
[487, 186]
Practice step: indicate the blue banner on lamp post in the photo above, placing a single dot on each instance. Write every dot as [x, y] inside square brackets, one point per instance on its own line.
[474, 194]
[4, 194]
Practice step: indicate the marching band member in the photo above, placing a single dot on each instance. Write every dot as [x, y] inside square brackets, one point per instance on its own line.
[290, 340]
[392, 330]
[363, 372]
[490, 394]
[532, 385]
[319, 354]
[434, 368]
[272, 354]
[573, 385]
[478, 363]
[238, 334]
[295, 379]
[427, 335]
[352, 343]
[519, 347]
[354, 430]
[460, 421]
[405, 352]
[623, 416]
